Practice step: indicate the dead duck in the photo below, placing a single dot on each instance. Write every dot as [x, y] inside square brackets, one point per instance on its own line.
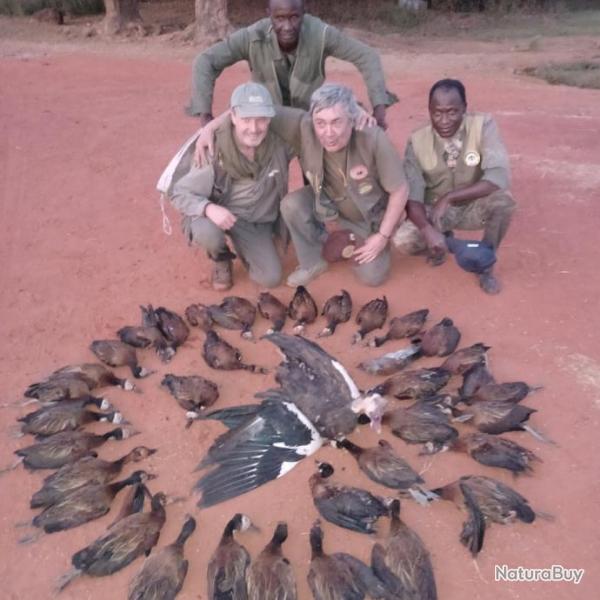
[226, 574]
[338, 309]
[403, 327]
[494, 451]
[124, 541]
[87, 470]
[58, 388]
[172, 327]
[349, 507]
[422, 423]
[371, 316]
[404, 565]
[382, 465]
[219, 354]
[475, 377]
[193, 392]
[271, 576]
[163, 574]
[197, 315]
[273, 309]
[487, 497]
[50, 420]
[65, 447]
[302, 308]
[466, 358]
[499, 417]
[513, 391]
[441, 340]
[392, 362]
[82, 505]
[234, 312]
[140, 336]
[317, 400]
[117, 354]
[134, 498]
[413, 384]
[340, 576]
[95, 375]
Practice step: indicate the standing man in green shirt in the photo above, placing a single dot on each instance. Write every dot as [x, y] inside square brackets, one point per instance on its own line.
[459, 177]
[286, 53]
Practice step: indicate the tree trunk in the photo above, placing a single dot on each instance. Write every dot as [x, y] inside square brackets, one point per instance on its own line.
[122, 15]
[211, 21]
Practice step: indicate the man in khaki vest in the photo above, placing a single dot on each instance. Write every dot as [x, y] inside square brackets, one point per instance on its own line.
[237, 194]
[286, 53]
[459, 177]
[356, 183]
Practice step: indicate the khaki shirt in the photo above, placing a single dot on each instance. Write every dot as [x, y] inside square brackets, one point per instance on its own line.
[257, 44]
[493, 166]
[255, 200]
[355, 182]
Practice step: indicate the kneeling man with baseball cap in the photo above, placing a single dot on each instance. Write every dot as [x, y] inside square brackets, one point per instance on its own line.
[237, 194]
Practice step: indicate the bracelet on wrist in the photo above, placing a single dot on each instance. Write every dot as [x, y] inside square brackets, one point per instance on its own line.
[387, 237]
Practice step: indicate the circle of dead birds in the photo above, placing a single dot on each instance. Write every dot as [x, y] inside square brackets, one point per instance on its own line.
[316, 402]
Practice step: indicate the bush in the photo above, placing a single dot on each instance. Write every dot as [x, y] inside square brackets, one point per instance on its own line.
[71, 7]
[583, 74]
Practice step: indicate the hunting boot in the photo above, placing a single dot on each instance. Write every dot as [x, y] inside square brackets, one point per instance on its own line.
[222, 273]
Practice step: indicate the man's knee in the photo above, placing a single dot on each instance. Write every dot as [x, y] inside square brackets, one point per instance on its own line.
[408, 240]
[203, 232]
[375, 273]
[502, 202]
[267, 278]
[296, 205]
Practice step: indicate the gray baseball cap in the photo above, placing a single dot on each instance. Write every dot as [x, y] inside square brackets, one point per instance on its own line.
[252, 100]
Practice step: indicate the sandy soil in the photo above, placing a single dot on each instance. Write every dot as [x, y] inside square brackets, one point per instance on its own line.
[86, 131]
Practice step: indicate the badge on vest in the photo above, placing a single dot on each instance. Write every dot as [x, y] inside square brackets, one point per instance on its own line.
[359, 172]
[364, 188]
[472, 159]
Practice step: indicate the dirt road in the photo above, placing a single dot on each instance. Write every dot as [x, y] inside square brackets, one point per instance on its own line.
[85, 132]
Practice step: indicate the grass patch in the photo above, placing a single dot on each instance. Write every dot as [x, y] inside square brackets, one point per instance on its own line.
[582, 74]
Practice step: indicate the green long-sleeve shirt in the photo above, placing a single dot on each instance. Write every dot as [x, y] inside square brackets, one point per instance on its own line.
[257, 44]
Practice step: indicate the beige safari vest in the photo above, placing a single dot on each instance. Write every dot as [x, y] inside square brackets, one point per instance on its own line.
[362, 184]
[438, 177]
[307, 73]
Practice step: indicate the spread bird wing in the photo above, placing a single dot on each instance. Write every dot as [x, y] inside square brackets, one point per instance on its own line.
[264, 447]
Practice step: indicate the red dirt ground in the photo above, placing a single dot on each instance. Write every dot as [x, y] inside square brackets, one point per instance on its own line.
[86, 131]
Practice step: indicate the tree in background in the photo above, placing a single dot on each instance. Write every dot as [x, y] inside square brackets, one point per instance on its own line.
[122, 15]
[212, 23]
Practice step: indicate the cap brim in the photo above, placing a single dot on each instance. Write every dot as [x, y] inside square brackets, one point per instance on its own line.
[247, 112]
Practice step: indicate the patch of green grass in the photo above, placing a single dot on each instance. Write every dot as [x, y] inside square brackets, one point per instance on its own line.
[582, 74]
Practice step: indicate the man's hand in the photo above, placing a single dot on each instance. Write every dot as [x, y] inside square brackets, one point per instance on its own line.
[379, 114]
[439, 210]
[205, 147]
[436, 245]
[371, 249]
[364, 120]
[220, 216]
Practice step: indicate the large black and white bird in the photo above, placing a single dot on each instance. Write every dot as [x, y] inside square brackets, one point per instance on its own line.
[317, 401]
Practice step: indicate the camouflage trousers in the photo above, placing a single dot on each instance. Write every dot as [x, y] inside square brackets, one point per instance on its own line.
[491, 213]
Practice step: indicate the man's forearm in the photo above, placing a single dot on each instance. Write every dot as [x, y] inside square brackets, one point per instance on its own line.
[417, 214]
[393, 212]
[471, 192]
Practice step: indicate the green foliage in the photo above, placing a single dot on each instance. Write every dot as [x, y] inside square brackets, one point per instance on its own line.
[70, 7]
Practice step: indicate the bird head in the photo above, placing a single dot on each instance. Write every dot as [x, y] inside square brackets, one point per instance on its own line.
[373, 405]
